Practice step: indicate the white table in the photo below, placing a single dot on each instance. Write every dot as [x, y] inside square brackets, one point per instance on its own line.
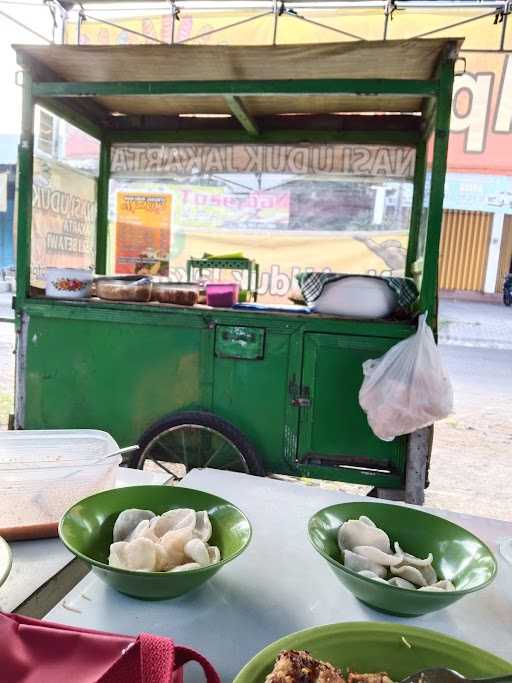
[280, 584]
[40, 568]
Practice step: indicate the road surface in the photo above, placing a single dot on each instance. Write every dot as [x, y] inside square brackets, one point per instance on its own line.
[471, 468]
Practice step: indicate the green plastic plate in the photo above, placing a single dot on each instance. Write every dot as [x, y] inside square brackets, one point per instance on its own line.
[370, 647]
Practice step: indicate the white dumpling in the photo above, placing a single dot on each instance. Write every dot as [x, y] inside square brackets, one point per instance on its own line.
[355, 533]
[186, 567]
[398, 582]
[143, 530]
[203, 528]
[367, 521]
[141, 555]
[197, 551]
[161, 525]
[162, 559]
[429, 574]
[357, 563]
[214, 554]
[371, 575]
[377, 556]
[174, 544]
[117, 556]
[444, 585]
[181, 518]
[412, 574]
[411, 560]
[127, 521]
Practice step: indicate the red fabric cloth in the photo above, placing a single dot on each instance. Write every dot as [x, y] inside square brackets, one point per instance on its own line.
[34, 651]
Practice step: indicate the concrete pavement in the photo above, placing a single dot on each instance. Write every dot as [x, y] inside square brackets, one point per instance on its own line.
[6, 305]
[475, 324]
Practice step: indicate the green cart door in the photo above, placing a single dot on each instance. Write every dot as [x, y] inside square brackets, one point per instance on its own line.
[333, 430]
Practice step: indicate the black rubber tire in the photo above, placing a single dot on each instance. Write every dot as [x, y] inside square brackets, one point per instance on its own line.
[203, 419]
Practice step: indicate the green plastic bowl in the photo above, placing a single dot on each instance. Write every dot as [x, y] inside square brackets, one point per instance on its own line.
[86, 529]
[458, 555]
[367, 647]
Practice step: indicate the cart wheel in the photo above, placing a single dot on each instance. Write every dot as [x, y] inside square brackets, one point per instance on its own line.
[182, 441]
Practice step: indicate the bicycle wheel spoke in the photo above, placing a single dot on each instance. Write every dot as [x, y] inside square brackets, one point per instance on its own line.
[158, 463]
[214, 454]
[191, 445]
[235, 461]
[168, 452]
[184, 450]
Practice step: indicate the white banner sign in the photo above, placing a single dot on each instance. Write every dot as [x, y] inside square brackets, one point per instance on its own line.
[188, 159]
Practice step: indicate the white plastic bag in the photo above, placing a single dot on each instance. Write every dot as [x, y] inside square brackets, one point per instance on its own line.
[407, 388]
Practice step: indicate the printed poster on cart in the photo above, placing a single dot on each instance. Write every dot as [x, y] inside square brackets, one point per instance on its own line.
[63, 219]
[143, 233]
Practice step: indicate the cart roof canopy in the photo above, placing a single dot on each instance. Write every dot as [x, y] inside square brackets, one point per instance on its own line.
[261, 88]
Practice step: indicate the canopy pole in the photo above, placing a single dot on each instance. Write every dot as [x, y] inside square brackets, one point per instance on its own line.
[420, 170]
[24, 26]
[455, 25]
[25, 179]
[102, 208]
[428, 296]
[504, 18]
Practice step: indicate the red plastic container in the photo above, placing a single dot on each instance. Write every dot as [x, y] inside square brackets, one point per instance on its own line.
[222, 294]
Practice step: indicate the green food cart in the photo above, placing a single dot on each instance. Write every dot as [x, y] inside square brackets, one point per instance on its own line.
[255, 390]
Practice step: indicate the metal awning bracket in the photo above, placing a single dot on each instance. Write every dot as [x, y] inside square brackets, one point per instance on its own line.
[175, 11]
[240, 112]
[502, 13]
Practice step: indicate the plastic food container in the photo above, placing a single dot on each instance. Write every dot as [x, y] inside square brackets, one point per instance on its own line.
[175, 293]
[222, 294]
[44, 472]
[124, 289]
[357, 297]
[68, 283]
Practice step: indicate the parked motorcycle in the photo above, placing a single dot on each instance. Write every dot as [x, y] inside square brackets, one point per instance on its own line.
[507, 290]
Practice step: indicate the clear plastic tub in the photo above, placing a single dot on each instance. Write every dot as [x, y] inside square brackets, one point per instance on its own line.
[44, 472]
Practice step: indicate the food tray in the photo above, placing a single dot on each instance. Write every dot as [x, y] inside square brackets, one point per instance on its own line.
[124, 289]
[44, 472]
[175, 293]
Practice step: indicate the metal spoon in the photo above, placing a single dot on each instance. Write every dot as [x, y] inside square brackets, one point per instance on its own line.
[441, 675]
[122, 451]
[119, 451]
